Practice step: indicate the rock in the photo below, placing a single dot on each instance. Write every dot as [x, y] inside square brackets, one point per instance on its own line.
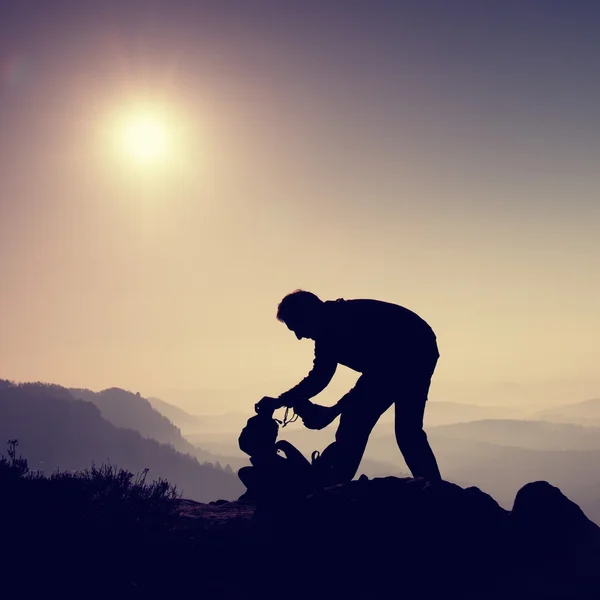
[219, 502]
[402, 530]
[556, 548]
[391, 537]
[545, 516]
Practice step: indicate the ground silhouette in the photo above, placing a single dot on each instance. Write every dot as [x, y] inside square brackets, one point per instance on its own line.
[105, 532]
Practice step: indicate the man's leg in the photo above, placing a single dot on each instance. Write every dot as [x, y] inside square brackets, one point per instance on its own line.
[361, 409]
[411, 438]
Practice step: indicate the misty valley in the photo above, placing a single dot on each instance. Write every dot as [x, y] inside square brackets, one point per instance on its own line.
[70, 429]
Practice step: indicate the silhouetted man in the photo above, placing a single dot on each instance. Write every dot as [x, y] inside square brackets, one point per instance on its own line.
[396, 352]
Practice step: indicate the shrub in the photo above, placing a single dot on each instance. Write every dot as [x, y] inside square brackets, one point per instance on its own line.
[105, 497]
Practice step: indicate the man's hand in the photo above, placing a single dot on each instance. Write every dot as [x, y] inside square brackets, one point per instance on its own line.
[268, 405]
[315, 416]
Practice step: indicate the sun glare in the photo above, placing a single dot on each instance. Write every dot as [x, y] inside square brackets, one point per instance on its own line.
[145, 138]
[149, 139]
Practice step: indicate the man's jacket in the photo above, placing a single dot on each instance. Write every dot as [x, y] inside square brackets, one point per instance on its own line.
[368, 336]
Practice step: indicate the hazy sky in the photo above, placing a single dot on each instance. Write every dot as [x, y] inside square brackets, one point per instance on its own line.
[441, 155]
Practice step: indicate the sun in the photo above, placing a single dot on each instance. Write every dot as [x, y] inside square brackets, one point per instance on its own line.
[145, 137]
[149, 139]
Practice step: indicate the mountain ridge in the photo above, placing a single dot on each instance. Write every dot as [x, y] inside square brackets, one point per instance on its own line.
[55, 430]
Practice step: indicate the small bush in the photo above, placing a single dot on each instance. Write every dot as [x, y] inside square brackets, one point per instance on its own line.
[11, 467]
[106, 497]
[83, 519]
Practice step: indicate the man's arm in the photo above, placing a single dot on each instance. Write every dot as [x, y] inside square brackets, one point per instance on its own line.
[324, 367]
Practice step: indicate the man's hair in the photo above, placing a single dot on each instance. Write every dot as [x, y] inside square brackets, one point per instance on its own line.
[296, 303]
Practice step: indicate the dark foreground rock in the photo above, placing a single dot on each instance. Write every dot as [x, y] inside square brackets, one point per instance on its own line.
[380, 538]
[392, 537]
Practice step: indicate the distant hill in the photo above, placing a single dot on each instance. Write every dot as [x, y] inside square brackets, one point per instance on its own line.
[446, 413]
[582, 413]
[533, 435]
[226, 423]
[223, 429]
[209, 400]
[57, 431]
[179, 417]
[131, 411]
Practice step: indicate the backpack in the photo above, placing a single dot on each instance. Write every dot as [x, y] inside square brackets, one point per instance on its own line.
[273, 479]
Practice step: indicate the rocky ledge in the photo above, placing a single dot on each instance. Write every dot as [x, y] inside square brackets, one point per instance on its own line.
[391, 537]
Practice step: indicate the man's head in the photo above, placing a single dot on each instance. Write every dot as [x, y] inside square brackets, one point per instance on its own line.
[301, 312]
